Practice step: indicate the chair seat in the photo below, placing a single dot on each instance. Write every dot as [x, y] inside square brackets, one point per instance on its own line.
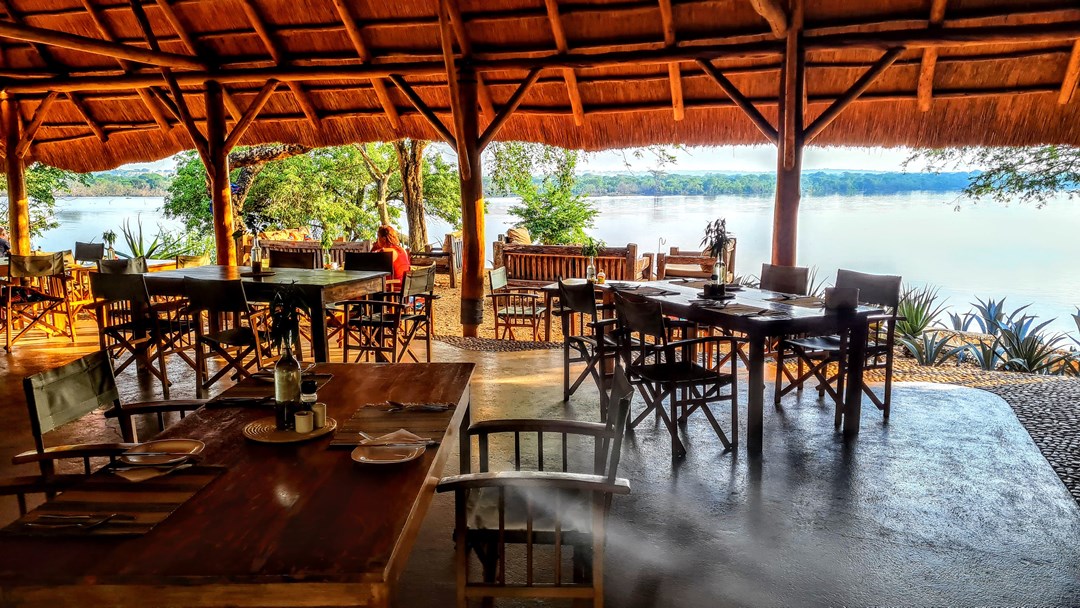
[375, 320]
[828, 344]
[575, 511]
[590, 343]
[239, 336]
[21, 294]
[679, 373]
[521, 311]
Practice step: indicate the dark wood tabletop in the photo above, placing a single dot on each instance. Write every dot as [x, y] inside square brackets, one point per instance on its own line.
[288, 524]
[318, 288]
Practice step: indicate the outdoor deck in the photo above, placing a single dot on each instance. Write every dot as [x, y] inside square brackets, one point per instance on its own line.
[951, 503]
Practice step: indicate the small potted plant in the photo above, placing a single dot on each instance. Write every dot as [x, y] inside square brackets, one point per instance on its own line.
[716, 241]
[109, 236]
[591, 249]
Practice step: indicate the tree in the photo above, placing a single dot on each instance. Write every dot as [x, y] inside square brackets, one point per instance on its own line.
[410, 156]
[379, 159]
[1027, 174]
[549, 208]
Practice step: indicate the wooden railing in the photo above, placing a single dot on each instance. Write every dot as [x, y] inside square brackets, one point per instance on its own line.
[543, 264]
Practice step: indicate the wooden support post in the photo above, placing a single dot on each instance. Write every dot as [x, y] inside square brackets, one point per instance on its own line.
[928, 64]
[1072, 76]
[789, 155]
[18, 203]
[218, 170]
[472, 208]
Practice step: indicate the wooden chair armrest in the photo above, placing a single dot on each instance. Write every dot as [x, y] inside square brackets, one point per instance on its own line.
[168, 306]
[876, 318]
[703, 340]
[373, 303]
[25, 484]
[155, 407]
[534, 479]
[95, 305]
[539, 425]
[85, 450]
[601, 323]
[507, 294]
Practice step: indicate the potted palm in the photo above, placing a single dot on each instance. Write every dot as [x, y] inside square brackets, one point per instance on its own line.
[109, 236]
[591, 249]
[716, 241]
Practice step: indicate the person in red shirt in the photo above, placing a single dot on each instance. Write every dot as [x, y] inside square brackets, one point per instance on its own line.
[387, 240]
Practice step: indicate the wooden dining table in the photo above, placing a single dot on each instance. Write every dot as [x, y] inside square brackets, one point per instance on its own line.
[318, 287]
[781, 320]
[297, 524]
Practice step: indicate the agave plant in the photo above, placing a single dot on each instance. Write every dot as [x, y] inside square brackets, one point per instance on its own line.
[814, 286]
[991, 315]
[1032, 349]
[988, 355]
[959, 322]
[930, 348]
[918, 307]
[163, 245]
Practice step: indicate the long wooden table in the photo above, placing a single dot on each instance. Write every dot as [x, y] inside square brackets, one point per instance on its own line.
[318, 288]
[759, 329]
[285, 525]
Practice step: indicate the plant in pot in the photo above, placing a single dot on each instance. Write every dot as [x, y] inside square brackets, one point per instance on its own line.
[715, 244]
[284, 313]
[109, 236]
[591, 249]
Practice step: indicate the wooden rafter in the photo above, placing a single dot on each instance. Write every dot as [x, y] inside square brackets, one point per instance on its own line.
[792, 89]
[307, 106]
[46, 56]
[852, 93]
[352, 28]
[667, 20]
[568, 73]
[445, 35]
[194, 48]
[148, 100]
[458, 23]
[1072, 76]
[27, 137]
[740, 100]
[96, 46]
[511, 106]
[250, 114]
[424, 110]
[929, 59]
[773, 12]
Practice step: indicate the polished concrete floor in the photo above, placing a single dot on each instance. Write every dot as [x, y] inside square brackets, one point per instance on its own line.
[948, 504]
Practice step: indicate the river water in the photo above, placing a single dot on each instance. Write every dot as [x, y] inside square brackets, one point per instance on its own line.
[987, 250]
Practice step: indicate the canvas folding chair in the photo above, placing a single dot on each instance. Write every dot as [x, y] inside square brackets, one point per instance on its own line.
[513, 307]
[35, 295]
[586, 338]
[135, 265]
[234, 332]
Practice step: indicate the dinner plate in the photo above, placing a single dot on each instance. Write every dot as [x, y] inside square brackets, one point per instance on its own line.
[701, 294]
[162, 451]
[386, 454]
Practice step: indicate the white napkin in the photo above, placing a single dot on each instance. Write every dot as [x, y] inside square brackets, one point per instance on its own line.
[398, 437]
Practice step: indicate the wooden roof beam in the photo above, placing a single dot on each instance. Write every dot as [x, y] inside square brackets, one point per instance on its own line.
[569, 75]
[352, 28]
[445, 34]
[96, 46]
[148, 100]
[424, 110]
[84, 112]
[1072, 76]
[853, 93]
[773, 12]
[194, 48]
[929, 59]
[511, 106]
[667, 21]
[250, 114]
[307, 106]
[740, 100]
[36, 120]
[458, 23]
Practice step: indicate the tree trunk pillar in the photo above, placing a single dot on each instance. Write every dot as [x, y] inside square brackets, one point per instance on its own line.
[220, 185]
[18, 202]
[411, 163]
[472, 210]
[790, 145]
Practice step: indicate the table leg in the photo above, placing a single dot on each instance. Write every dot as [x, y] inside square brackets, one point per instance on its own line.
[755, 391]
[320, 350]
[464, 443]
[547, 316]
[853, 392]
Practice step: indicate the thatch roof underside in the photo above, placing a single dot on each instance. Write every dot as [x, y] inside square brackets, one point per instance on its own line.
[1002, 74]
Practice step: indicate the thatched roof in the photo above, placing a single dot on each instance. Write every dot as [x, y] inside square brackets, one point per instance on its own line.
[998, 76]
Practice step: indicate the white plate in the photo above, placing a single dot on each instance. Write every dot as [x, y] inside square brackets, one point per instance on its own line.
[162, 451]
[387, 454]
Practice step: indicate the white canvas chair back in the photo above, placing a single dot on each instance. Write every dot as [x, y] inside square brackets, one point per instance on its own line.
[31, 266]
[64, 394]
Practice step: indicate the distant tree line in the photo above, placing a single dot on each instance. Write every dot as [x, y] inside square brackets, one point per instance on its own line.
[112, 183]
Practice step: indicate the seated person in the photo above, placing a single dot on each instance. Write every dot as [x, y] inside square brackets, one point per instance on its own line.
[387, 240]
[5, 245]
[519, 235]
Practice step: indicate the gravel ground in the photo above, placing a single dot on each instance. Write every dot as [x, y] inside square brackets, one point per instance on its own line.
[1047, 406]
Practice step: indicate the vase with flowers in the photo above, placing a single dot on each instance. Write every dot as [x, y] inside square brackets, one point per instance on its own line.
[716, 241]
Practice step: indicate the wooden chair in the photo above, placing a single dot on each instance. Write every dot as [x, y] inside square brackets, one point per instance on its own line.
[513, 307]
[235, 331]
[127, 324]
[35, 294]
[66, 393]
[136, 265]
[793, 280]
[816, 354]
[418, 297]
[556, 508]
[584, 337]
[385, 325]
[669, 372]
[293, 259]
[89, 252]
[191, 261]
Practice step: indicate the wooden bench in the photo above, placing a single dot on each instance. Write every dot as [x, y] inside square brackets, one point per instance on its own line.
[447, 259]
[537, 265]
[675, 264]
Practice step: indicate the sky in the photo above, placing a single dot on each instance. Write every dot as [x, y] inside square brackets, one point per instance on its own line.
[745, 159]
